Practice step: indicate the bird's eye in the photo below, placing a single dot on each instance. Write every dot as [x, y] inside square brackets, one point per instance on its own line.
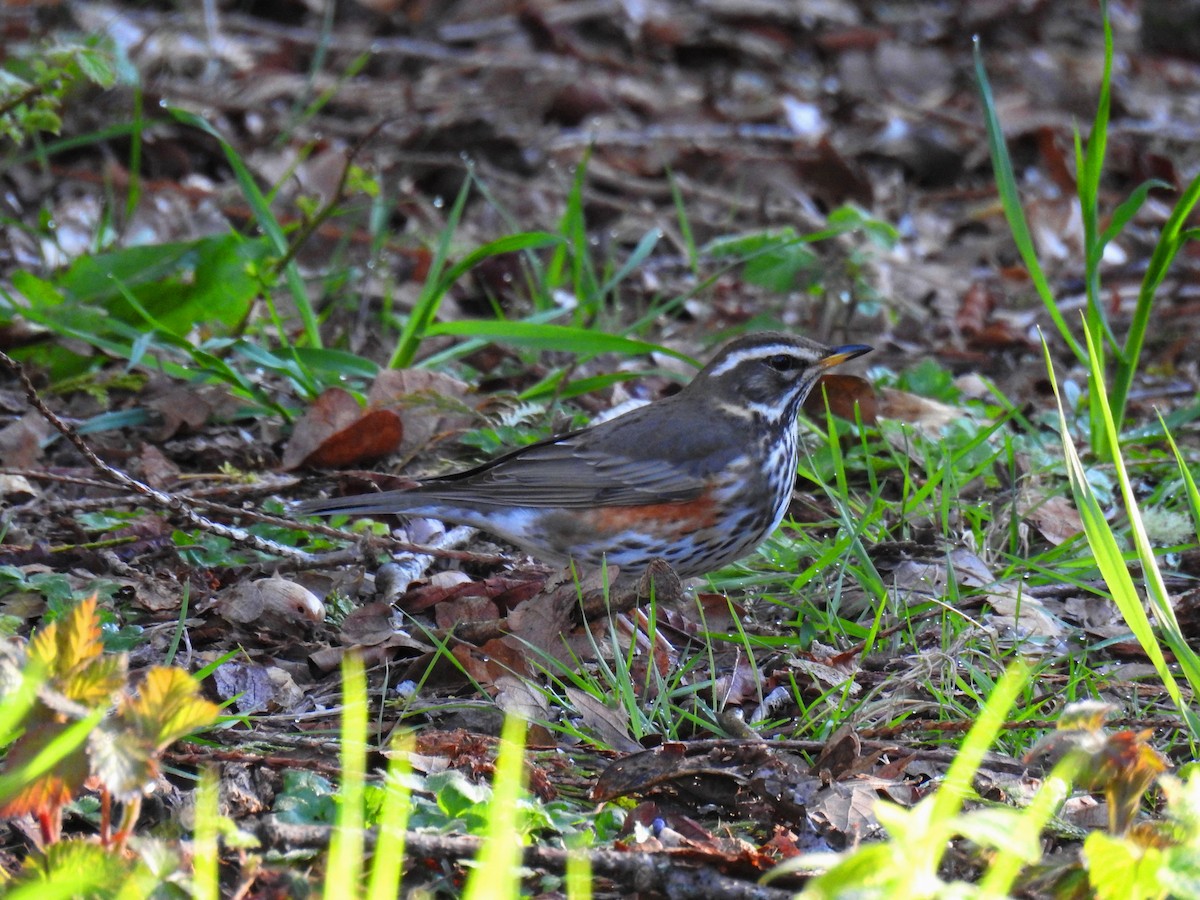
[783, 362]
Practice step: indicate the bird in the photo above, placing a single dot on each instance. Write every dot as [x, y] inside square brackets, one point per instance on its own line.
[699, 478]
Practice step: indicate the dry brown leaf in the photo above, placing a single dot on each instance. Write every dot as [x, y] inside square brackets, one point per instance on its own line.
[183, 408]
[844, 393]
[337, 432]
[608, 722]
[16, 489]
[21, 441]
[739, 685]
[638, 772]
[247, 685]
[846, 808]
[458, 610]
[427, 403]
[156, 470]
[374, 626]
[826, 676]
[515, 696]
[928, 416]
[1024, 612]
[975, 309]
[1055, 518]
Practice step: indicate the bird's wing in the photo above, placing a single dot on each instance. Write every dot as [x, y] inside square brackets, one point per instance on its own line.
[600, 465]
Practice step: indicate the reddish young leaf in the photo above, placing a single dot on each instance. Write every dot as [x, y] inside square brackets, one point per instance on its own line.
[49, 793]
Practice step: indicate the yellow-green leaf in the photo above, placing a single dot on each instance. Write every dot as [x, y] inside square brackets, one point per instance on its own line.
[169, 706]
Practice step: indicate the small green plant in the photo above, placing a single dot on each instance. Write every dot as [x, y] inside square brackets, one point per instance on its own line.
[654, 695]
[34, 86]
[783, 260]
[442, 276]
[71, 716]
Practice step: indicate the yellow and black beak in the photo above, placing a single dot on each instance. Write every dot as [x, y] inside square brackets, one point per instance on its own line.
[839, 355]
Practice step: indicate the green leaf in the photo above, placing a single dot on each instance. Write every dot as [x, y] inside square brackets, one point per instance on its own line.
[564, 338]
[181, 285]
[787, 268]
[97, 66]
[40, 293]
[336, 363]
[168, 706]
[639, 255]
[71, 868]
[744, 245]
[513, 243]
[1171, 239]
[1120, 869]
[1111, 561]
[1129, 208]
[306, 799]
[46, 764]
[1000, 829]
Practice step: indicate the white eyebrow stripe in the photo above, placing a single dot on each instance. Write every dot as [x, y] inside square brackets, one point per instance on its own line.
[763, 350]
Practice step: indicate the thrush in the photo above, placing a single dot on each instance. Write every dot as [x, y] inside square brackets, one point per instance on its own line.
[699, 479]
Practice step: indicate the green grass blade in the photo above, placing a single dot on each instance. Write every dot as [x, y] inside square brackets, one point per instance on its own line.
[497, 874]
[1156, 589]
[639, 255]
[205, 851]
[513, 243]
[1173, 236]
[563, 338]
[336, 363]
[574, 254]
[685, 225]
[1189, 481]
[579, 876]
[1129, 208]
[1006, 184]
[74, 142]
[343, 875]
[907, 864]
[425, 309]
[957, 784]
[1090, 166]
[388, 861]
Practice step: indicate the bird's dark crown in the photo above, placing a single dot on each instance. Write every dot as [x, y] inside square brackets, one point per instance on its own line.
[770, 372]
[762, 368]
